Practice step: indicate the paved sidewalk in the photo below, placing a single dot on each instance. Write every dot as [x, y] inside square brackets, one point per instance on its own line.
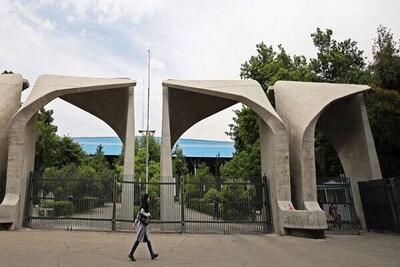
[77, 248]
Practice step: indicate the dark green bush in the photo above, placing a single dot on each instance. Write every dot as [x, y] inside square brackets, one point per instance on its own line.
[60, 208]
[201, 205]
[86, 203]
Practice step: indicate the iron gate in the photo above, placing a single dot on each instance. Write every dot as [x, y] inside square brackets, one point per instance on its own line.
[207, 205]
[335, 198]
[380, 199]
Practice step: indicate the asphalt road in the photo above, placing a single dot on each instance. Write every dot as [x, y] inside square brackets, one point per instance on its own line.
[28, 247]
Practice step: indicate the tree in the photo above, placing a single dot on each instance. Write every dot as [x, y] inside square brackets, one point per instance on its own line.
[154, 147]
[338, 62]
[383, 102]
[386, 66]
[98, 160]
[51, 149]
[46, 140]
[384, 114]
[244, 165]
[267, 67]
[179, 165]
[270, 66]
[140, 158]
[68, 151]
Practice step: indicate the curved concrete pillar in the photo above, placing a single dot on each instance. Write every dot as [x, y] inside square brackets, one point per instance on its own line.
[187, 102]
[105, 98]
[11, 86]
[345, 124]
[341, 111]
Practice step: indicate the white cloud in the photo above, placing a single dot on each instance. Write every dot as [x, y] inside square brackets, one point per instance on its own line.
[30, 48]
[189, 40]
[106, 11]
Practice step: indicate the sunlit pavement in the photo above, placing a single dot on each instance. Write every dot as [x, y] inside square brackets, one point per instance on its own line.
[28, 247]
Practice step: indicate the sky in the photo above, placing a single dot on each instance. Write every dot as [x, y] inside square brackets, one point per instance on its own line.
[189, 39]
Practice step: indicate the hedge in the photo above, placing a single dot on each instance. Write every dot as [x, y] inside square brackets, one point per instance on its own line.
[59, 208]
[86, 203]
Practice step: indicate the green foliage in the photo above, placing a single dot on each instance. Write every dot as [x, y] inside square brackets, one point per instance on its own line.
[386, 66]
[270, 66]
[98, 161]
[232, 199]
[212, 195]
[267, 67]
[140, 166]
[201, 205]
[46, 140]
[79, 183]
[222, 200]
[86, 203]
[154, 147]
[244, 130]
[58, 208]
[140, 159]
[51, 149]
[244, 164]
[327, 162]
[384, 115]
[338, 62]
[194, 182]
[179, 165]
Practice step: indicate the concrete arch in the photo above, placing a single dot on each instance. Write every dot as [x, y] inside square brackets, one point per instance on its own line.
[187, 102]
[111, 100]
[340, 110]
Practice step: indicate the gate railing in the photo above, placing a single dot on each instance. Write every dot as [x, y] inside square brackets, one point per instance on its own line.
[380, 199]
[207, 205]
[336, 199]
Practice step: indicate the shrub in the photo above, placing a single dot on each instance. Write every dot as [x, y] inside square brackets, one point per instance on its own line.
[60, 208]
[86, 203]
[201, 205]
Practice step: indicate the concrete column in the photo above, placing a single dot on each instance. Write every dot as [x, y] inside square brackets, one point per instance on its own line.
[129, 156]
[346, 126]
[28, 165]
[267, 165]
[166, 191]
[274, 147]
[10, 101]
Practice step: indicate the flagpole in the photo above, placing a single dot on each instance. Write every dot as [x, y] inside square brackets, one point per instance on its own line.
[147, 129]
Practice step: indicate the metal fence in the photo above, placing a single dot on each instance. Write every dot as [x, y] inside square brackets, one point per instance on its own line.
[228, 206]
[380, 199]
[65, 202]
[335, 198]
[178, 205]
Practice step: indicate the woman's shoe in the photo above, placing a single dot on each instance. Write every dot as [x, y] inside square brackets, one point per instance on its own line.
[132, 257]
[154, 255]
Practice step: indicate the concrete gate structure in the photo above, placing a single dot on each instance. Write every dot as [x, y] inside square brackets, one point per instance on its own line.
[111, 100]
[340, 111]
[286, 136]
[187, 102]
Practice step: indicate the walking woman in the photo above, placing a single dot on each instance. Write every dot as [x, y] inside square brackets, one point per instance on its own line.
[141, 222]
